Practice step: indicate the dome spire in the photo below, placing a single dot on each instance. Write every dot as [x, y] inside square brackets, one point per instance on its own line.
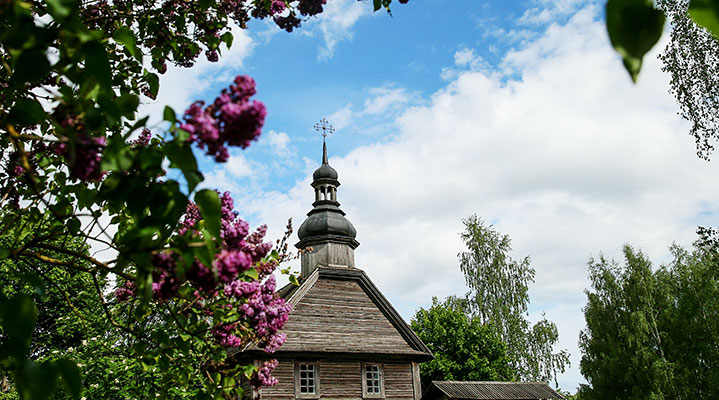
[326, 230]
[324, 152]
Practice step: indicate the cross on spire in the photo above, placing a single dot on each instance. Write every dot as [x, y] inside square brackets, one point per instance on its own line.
[324, 128]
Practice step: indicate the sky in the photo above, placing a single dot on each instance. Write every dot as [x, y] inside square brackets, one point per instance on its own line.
[517, 111]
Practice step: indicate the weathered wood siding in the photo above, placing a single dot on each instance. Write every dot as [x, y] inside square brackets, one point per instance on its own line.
[399, 381]
[340, 380]
[285, 389]
[343, 380]
[338, 316]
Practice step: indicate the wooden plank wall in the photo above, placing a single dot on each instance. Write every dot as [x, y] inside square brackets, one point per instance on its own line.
[341, 379]
[399, 381]
[285, 389]
[338, 316]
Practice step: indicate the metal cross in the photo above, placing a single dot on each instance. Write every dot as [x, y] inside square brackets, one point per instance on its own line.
[324, 128]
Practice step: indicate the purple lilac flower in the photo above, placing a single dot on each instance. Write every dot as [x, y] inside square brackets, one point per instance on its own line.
[263, 376]
[231, 120]
[84, 161]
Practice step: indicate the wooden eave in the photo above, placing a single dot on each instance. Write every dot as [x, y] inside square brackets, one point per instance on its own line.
[294, 295]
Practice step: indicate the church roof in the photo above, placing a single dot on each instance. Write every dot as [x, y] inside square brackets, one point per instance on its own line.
[338, 311]
[468, 390]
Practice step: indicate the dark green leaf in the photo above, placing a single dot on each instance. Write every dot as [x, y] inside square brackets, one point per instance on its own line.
[377, 4]
[60, 9]
[108, 107]
[31, 66]
[209, 203]
[73, 224]
[127, 104]
[227, 38]
[97, 65]
[125, 36]
[181, 156]
[36, 381]
[27, 112]
[70, 374]
[169, 115]
[154, 81]
[19, 315]
[706, 14]
[634, 27]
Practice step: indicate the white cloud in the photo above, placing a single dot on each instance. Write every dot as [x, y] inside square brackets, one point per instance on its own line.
[279, 141]
[335, 23]
[342, 117]
[238, 166]
[178, 86]
[561, 152]
[546, 11]
[385, 99]
[463, 57]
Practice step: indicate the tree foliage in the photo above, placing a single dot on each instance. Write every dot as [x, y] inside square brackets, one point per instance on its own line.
[79, 165]
[652, 333]
[463, 347]
[692, 60]
[499, 297]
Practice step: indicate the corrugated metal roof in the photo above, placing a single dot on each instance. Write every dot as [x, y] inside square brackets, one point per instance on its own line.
[496, 390]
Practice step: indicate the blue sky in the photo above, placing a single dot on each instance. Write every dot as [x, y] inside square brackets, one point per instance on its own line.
[518, 111]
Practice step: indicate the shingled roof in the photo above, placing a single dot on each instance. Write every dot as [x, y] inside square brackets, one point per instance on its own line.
[339, 312]
[460, 390]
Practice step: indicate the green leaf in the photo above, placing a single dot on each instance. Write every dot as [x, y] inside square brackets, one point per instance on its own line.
[252, 273]
[125, 36]
[36, 381]
[60, 9]
[169, 115]
[706, 14]
[209, 203]
[634, 27]
[377, 4]
[294, 281]
[248, 370]
[27, 112]
[19, 316]
[70, 374]
[127, 104]
[4, 252]
[73, 224]
[154, 82]
[227, 38]
[31, 66]
[181, 156]
[97, 65]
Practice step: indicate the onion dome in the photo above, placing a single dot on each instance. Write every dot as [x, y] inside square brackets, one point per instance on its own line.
[325, 172]
[326, 224]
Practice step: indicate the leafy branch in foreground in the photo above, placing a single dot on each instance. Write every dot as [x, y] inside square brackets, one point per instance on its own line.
[78, 165]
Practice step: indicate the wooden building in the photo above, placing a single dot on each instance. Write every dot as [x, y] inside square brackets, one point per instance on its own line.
[456, 390]
[344, 339]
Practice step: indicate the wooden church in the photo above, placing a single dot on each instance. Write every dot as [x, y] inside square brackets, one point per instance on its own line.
[344, 339]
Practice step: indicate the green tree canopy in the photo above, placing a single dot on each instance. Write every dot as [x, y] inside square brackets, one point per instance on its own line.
[498, 296]
[463, 347]
[652, 333]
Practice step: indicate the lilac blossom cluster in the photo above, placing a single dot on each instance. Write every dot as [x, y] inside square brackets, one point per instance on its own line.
[261, 307]
[263, 375]
[262, 312]
[231, 120]
[83, 158]
[143, 139]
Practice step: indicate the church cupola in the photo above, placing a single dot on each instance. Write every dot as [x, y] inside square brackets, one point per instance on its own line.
[326, 231]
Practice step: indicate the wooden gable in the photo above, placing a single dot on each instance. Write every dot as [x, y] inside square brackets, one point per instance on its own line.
[339, 310]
